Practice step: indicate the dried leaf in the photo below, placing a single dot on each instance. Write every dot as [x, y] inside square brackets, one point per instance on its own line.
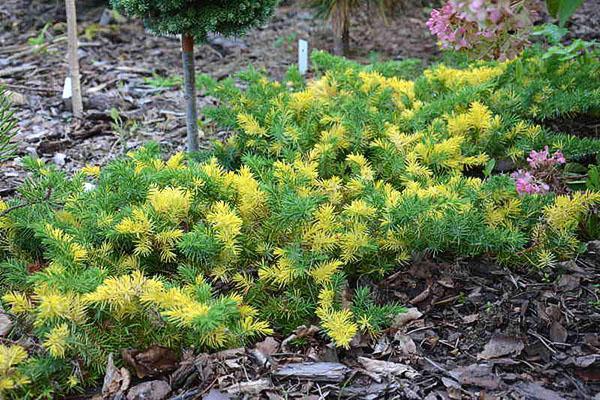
[153, 390]
[558, 333]
[387, 368]
[405, 344]
[216, 395]
[534, 391]
[480, 375]
[421, 297]
[250, 387]
[569, 282]
[404, 318]
[500, 346]
[154, 361]
[586, 361]
[116, 381]
[5, 324]
[268, 347]
[469, 319]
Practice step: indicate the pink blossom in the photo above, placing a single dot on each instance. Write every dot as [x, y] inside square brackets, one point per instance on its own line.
[527, 183]
[543, 174]
[542, 159]
[489, 28]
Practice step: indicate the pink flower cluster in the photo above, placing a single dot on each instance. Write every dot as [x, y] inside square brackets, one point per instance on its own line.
[487, 28]
[542, 159]
[542, 174]
[527, 183]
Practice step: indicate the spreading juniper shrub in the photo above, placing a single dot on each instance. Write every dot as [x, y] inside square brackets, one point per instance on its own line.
[325, 184]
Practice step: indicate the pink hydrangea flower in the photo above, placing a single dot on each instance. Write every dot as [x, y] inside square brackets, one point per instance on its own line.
[489, 28]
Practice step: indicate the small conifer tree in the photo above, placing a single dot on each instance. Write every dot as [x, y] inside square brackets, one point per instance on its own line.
[194, 21]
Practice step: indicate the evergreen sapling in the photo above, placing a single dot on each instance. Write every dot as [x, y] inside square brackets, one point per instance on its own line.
[195, 21]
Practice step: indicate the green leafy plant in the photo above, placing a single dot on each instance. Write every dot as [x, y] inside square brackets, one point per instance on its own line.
[8, 126]
[40, 39]
[194, 21]
[563, 9]
[288, 40]
[553, 35]
[159, 82]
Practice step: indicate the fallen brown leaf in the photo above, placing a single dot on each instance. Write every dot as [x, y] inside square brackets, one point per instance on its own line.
[501, 345]
[558, 333]
[154, 361]
[116, 381]
[404, 318]
[380, 367]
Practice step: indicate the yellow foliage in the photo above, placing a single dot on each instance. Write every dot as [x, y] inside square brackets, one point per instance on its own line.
[339, 325]
[324, 271]
[171, 202]
[76, 251]
[564, 215]
[91, 170]
[18, 302]
[458, 78]
[250, 125]
[56, 341]
[10, 358]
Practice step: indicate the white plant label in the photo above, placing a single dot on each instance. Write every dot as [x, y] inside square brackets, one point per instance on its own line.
[303, 56]
[67, 89]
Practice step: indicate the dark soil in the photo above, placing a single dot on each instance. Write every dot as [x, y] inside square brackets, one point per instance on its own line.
[581, 125]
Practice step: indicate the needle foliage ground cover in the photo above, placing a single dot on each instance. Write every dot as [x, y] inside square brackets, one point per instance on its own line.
[326, 185]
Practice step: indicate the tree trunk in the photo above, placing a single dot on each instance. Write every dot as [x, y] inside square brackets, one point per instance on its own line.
[340, 23]
[189, 80]
[73, 45]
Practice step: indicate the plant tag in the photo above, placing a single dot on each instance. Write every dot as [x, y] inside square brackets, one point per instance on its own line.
[303, 56]
[67, 89]
[67, 94]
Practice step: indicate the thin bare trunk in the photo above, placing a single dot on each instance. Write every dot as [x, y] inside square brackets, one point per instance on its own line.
[73, 45]
[189, 79]
[340, 23]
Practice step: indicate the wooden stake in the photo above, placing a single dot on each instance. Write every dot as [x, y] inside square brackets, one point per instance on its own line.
[73, 45]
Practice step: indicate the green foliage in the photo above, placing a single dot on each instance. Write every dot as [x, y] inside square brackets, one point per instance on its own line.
[40, 39]
[159, 82]
[8, 126]
[412, 68]
[563, 9]
[325, 184]
[198, 18]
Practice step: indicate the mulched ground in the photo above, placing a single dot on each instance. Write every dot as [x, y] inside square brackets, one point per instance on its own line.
[473, 329]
